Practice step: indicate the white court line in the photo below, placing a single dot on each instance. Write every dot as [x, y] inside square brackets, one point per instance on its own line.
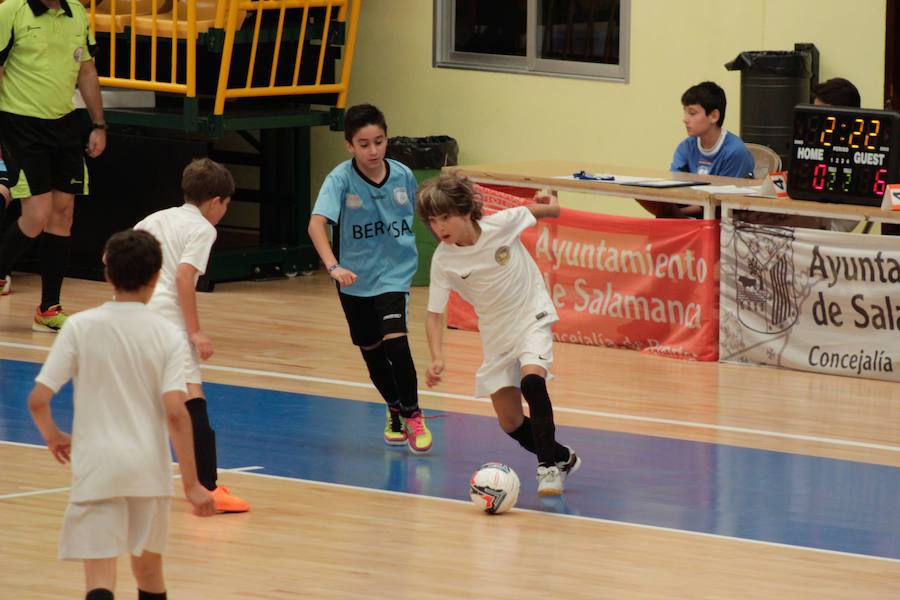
[556, 409]
[703, 534]
[66, 489]
[344, 486]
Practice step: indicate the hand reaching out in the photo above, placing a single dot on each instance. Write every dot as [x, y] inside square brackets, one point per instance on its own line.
[433, 375]
[201, 342]
[344, 277]
[60, 446]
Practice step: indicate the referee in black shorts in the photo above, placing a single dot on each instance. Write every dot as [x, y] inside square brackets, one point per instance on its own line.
[45, 49]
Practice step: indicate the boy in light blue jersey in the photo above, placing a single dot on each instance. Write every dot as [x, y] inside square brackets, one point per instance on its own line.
[369, 200]
[709, 149]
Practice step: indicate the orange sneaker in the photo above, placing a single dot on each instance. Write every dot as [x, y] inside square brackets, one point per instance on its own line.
[227, 503]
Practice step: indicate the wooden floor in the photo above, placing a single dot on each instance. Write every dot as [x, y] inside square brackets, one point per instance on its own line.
[309, 540]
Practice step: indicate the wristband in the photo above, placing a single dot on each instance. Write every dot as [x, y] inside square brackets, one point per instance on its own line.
[333, 267]
[98, 126]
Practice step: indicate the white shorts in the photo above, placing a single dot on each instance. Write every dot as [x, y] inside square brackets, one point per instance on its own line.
[191, 362]
[534, 347]
[109, 528]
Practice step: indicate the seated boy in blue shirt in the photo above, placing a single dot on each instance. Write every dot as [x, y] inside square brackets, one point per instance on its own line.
[709, 149]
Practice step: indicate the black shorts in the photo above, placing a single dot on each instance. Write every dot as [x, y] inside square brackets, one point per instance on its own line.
[48, 154]
[372, 317]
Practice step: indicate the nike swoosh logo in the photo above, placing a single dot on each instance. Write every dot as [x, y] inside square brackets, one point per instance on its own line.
[466, 276]
[542, 357]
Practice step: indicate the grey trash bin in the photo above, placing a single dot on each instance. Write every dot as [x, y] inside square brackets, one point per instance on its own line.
[772, 83]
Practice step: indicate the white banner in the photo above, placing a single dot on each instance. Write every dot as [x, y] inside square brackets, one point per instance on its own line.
[812, 300]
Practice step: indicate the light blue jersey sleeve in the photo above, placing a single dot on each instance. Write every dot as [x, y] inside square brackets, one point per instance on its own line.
[331, 195]
[734, 158]
[681, 162]
[413, 187]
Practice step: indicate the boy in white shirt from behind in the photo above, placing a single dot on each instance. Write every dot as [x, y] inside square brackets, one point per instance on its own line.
[187, 234]
[128, 368]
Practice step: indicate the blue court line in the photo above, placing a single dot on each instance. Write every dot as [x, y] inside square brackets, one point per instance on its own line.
[709, 488]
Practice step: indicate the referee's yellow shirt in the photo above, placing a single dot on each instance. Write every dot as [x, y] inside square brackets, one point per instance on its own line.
[41, 51]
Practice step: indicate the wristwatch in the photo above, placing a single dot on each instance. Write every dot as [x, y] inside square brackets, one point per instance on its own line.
[333, 267]
[98, 126]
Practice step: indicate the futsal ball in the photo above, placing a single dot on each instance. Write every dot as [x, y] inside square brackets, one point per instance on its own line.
[494, 488]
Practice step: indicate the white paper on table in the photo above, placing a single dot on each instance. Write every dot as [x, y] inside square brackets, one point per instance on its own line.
[743, 190]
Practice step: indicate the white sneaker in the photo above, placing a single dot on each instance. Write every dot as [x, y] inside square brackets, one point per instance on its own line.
[567, 467]
[6, 288]
[550, 481]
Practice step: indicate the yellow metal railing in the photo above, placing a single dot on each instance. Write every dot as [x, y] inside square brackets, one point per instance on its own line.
[182, 23]
[113, 23]
[295, 88]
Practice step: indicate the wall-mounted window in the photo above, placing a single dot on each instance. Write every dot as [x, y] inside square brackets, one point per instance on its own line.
[575, 38]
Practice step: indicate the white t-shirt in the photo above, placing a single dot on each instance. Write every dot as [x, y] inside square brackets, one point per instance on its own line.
[186, 237]
[123, 358]
[497, 277]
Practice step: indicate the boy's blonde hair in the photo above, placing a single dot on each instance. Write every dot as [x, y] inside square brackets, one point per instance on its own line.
[205, 179]
[448, 195]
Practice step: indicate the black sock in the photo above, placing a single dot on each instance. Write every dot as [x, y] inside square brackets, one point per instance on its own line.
[380, 373]
[13, 244]
[396, 422]
[142, 595]
[55, 250]
[397, 350]
[534, 388]
[204, 443]
[525, 436]
[99, 594]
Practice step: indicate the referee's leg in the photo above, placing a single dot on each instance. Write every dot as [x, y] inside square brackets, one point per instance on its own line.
[56, 247]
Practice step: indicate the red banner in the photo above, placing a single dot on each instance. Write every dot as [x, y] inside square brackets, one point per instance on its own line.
[644, 284]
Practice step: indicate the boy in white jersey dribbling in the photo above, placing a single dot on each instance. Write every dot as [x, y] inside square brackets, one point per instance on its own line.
[187, 234]
[127, 363]
[369, 200]
[483, 260]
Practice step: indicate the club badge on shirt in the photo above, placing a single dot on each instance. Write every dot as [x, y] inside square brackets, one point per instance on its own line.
[79, 52]
[400, 196]
[502, 255]
[353, 201]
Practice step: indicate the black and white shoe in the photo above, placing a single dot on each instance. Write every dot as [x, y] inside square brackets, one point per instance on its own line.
[567, 467]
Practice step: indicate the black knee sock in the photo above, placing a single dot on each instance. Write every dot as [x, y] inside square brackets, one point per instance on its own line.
[13, 244]
[534, 388]
[55, 250]
[204, 443]
[142, 595]
[525, 436]
[380, 373]
[397, 350]
[99, 594]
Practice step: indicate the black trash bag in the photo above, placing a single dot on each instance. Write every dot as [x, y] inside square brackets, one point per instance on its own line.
[777, 62]
[431, 152]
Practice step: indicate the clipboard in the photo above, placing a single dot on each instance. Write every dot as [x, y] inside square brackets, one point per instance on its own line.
[667, 183]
